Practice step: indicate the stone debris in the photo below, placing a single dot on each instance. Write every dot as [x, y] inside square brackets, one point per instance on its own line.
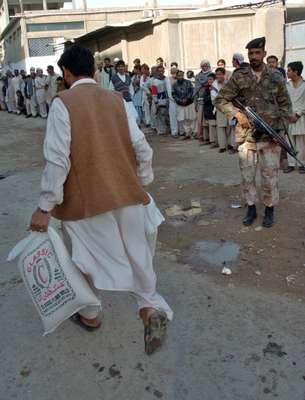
[226, 271]
[290, 279]
[258, 228]
[274, 349]
[25, 372]
[176, 210]
[235, 205]
[195, 204]
[258, 273]
[202, 222]
[192, 211]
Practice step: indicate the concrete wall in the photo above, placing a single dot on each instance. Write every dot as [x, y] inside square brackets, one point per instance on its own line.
[189, 38]
[15, 45]
[185, 38]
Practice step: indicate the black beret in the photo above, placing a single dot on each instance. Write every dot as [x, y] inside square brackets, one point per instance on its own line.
[258, 43]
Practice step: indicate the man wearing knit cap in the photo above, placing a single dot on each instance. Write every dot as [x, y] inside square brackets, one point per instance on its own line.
[238, 60]
[97, 164]
[201, 80]
[263, 89]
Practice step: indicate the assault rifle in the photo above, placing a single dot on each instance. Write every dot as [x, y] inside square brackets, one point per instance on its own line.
[262, 126]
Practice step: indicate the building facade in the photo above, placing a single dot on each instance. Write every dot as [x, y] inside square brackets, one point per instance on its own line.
[189, 37]
[34, 32]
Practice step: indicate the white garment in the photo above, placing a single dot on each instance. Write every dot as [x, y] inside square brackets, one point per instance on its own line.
[172, 108]
[298, 142]
[297, 96]
[107, 247]
[11, 96]
[41, 95]
[186, 112]
[16, 85]
[102, 78]
[52, 87]
[145, 85]
[31, 106]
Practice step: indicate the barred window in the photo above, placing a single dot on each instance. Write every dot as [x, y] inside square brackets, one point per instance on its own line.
[55, 26]
[41, 47]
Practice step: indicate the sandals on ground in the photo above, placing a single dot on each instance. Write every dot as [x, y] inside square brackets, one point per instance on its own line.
[76, 318]
[155, 332]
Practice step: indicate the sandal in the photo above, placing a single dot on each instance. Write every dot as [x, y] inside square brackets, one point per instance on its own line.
[155, 332]
[76, 318]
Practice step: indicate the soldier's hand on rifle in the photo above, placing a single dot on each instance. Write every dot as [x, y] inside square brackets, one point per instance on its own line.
[243, 120]
[293, 118]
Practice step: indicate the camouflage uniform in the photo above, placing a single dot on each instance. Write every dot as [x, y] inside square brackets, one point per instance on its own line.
[268, 96]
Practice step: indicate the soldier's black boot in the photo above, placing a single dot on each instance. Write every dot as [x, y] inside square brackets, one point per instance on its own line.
[251, 215]
[268, 218]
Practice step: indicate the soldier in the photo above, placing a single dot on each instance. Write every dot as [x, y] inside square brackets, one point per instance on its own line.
[263, 89]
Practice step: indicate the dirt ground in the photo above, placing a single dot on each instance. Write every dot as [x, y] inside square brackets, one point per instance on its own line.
[237, 337]
[270, 259]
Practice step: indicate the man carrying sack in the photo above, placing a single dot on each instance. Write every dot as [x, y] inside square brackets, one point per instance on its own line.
[97, 163]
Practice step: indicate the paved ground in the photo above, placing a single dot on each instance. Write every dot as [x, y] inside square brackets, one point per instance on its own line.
[238, 337]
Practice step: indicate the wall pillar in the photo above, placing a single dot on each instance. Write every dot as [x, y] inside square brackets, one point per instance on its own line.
[124, 46]
[21, 6]
[84, 5]
[45, 4]
[6, 12]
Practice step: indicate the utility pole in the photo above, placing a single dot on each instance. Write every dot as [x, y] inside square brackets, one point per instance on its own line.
[21, 6]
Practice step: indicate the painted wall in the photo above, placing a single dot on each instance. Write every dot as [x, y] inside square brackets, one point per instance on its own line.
[188, 40]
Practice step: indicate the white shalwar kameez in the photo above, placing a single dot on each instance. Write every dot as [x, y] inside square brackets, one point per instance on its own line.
[297, 129]
[106, 247]
[10, 97]
[145, 85]
[41, 95]
[172, 108]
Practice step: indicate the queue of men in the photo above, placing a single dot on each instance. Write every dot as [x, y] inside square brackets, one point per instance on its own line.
[188, 106]
[29, 94]
[182, 105]
[103, 204]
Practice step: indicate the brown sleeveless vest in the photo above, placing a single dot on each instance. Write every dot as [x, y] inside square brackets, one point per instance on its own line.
[103, 173]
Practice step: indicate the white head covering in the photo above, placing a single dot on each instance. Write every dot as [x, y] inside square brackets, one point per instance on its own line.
[238, 57]
[32, 69]
[116, 59]
[205, 62]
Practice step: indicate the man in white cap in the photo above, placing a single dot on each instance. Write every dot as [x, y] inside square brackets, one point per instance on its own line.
[16, 86]
[104, 73]
[238, 60]
[51, 84]
[41, 94]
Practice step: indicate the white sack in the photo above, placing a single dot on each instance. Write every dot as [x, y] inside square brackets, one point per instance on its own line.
[152, 219]
[56, 286]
